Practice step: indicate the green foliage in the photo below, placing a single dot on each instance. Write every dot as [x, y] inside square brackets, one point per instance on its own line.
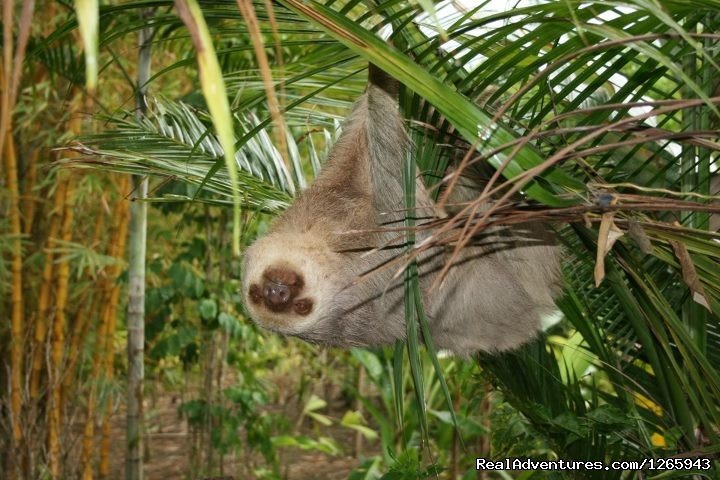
[604, 100]
[446, 425]
[243, 411]
[408, 466]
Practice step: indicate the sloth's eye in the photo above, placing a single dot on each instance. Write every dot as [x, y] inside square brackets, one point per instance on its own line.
[255, 294]
[303, 306]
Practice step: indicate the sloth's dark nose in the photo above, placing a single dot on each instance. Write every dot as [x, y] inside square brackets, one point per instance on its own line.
[276, 294]
[277, 289]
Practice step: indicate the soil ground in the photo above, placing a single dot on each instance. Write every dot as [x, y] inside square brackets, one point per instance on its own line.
[169, 445]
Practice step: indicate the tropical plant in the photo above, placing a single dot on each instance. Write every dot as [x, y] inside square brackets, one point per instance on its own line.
[603, 113]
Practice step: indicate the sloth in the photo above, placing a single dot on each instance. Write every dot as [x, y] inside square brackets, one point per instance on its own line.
[324, 272]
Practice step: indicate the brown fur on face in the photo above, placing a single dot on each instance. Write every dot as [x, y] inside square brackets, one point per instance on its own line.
[302, 277]
[279, 291]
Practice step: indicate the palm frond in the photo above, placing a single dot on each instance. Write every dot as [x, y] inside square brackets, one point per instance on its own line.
[172, 141]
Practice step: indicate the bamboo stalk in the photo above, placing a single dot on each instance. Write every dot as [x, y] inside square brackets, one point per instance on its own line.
[84, 312]
[136, 331]
[16, 299]
[106, 326]
[78, 332]
[6, 107]
[29, 200]
[87, 449]
[58, 338]
[41, 322]
[10, 75]
[104, 467]
[123, 216]
[88, 444]
[106, 433]
[136, 281]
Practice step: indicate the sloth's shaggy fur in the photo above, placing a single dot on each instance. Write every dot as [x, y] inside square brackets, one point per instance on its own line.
[301, 278]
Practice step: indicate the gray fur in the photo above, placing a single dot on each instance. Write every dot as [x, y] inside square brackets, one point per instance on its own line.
[492, 299]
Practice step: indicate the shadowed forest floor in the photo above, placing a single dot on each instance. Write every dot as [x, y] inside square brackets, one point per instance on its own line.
[169, 444]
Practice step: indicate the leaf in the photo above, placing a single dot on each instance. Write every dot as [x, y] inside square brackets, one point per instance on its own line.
[429, 8]
[608, 415]
[368, 470]
[213, 87]
[568, 421]
[354, 420]
[314, 403]
[173, 141]
[320, 418]
[230, 324]
[689, 274]
[468, 118]
[322, 444]
[607, 236]
[369, 361]
[251, 21]
[87, 14]
[208, 308]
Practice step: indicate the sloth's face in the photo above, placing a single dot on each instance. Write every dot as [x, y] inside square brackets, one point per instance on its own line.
[287, 284]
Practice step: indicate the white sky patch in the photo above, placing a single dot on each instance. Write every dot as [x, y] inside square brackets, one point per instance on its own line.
[448, 14]
[609, 15]
[385, 31]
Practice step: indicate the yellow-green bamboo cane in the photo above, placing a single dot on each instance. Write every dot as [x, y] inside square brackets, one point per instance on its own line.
[16, 297]
[41, 322]
[58, 338]
[123, 217]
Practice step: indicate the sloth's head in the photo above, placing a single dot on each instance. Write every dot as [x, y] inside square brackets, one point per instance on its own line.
[288, 284]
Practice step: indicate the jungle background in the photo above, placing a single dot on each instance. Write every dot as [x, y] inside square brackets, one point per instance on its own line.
[145, 143]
